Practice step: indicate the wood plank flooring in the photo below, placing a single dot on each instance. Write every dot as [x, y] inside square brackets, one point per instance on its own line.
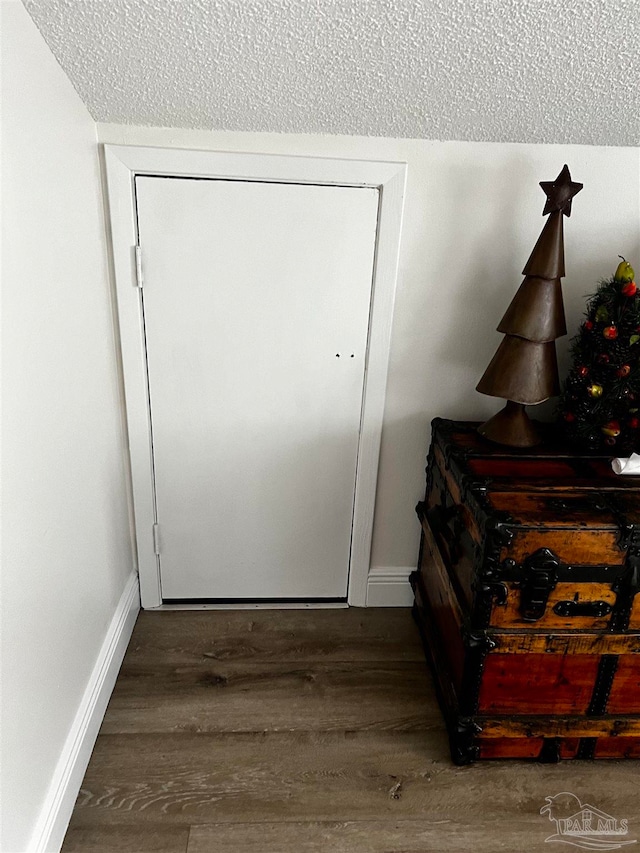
[306, 731]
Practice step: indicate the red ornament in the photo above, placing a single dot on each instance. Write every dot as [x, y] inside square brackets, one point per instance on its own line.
[629, 289]
[588, 325]
[625, 370]
[583, 371]
[570, 417]
[610, 332]
[634, 423]
[612, 429]
[603, 358]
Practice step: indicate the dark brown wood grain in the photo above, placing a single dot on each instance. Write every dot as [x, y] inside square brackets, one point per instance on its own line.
[565, 643]
[446, 834]
[606, 479]
[590, 548]
[539, 684]
[510, 747]
[524, 726]
[159, 838]
[624, 697]
[618, 747]
[178, 638]
[564, 509]
[356, 790]
[444, 607]
[455, 491]
[522, 470]
[194, 779]
[460, 559]
[433, 648]
[236, 696]
[634, 620]
[202, 778]
[525, 747]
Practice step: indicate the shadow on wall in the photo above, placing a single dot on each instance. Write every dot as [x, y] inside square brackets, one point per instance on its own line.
[491, 258]
[469, 269]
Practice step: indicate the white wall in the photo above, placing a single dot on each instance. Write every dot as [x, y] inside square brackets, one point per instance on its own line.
[472, 216]
[66, 540]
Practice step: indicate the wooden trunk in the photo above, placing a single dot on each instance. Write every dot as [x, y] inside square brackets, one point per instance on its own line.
[527, 595]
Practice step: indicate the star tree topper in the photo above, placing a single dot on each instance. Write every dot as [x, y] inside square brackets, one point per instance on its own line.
[560, 192]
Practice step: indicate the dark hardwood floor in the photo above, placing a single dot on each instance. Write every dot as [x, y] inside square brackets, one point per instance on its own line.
[305, 731]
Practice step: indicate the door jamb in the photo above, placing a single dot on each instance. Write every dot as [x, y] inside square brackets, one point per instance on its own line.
[122, 164]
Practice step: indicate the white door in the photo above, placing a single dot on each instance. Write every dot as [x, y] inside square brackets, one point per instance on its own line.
[256, 310]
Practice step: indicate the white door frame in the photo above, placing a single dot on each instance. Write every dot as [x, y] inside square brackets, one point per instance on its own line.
[122, 164]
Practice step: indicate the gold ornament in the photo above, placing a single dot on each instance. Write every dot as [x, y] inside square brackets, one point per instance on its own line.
[595, 390]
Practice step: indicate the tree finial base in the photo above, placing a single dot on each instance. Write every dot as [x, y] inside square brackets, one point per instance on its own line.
[511, 426]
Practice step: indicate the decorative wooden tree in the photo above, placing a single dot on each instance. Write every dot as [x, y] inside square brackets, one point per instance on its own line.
[524, 370]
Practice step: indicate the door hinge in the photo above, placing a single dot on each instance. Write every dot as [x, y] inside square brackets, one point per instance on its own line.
[156, 539]
[139, 281]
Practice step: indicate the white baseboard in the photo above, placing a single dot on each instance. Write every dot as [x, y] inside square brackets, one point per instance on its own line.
[67, 778]
[389, 586]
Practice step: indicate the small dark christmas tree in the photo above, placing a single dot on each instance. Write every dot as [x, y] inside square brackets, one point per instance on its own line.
[600, 402]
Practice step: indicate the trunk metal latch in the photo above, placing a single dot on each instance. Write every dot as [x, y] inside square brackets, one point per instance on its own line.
[540, 576]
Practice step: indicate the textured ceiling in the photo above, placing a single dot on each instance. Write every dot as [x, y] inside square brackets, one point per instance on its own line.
[564, 71]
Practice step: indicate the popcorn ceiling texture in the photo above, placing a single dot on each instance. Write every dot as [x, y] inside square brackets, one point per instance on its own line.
[483, 70]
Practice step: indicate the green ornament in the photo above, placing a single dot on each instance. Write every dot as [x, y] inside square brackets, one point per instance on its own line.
[625, 271]
[602, 314]
[634, 339]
